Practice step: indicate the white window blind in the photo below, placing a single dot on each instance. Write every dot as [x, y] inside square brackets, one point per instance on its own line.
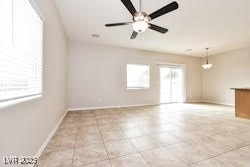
[138, 76]
[21, 42]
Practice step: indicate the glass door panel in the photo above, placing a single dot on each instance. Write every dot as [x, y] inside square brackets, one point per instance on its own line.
[171, 85]
[177, 85]
[165, 81]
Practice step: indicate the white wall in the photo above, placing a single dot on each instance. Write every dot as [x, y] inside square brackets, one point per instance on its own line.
[25, 126]
[97, 76]
[230, 70]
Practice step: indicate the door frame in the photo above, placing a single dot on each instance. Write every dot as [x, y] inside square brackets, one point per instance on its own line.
[184, 82]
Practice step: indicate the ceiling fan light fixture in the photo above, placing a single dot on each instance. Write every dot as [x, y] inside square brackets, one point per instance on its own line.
[140, 26]
[140, 23]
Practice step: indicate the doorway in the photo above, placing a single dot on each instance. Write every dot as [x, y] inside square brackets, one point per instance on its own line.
[172, 84]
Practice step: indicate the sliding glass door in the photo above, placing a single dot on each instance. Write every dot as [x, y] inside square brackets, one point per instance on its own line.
[171, 84]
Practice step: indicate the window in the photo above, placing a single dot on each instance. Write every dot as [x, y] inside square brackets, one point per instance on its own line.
[21, 40]
[137, 76]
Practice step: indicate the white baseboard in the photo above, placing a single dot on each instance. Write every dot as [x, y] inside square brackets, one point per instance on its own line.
[193, 101]
[220, 103]
[45, 143]
[107, 107]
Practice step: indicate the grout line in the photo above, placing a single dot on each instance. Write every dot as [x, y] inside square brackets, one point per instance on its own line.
[103, 143]
[72, 163]
[138, 152]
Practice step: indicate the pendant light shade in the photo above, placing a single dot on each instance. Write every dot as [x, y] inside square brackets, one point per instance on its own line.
[207, 65]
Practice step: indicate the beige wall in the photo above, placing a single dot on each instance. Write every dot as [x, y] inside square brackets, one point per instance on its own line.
[230, 70]
[97, 76]
[25, 126]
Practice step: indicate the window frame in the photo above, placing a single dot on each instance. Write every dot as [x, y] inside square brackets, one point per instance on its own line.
[20, 99]
[137, 87]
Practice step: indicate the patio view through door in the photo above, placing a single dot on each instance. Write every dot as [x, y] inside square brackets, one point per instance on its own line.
[171, 84]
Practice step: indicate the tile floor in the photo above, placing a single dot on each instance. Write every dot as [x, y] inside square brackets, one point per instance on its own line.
[195, 135]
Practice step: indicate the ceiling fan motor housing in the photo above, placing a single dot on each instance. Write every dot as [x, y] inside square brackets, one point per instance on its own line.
[141, 20]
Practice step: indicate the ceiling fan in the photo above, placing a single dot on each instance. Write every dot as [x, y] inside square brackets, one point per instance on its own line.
[141, 19]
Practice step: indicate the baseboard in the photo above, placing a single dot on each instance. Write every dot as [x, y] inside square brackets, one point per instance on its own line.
[193, 101]
[216, 102]
[141, 105]
[45, 143]
[107, 107]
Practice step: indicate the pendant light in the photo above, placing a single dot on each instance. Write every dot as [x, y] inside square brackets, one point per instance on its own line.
[207, 65]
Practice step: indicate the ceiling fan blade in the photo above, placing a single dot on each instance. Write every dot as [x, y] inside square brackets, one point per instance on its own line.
[117, 24]
[157, 28]
[168, 8]
[128, 4]
[134, 34]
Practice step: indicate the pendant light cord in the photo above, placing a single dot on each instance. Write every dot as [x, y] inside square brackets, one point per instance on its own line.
[207, 55]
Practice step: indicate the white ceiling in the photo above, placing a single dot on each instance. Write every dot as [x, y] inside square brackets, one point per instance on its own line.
[222, 25]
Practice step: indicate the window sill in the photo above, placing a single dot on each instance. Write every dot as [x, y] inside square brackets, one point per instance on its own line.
[17, 101]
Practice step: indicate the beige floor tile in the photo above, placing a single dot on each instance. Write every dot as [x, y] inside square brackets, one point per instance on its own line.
[183, 135]
[151, 129]
[168, 127]
[245, 151]
[56, 159]
[113, 135]
[120, 120]
[145, 143]
[86, 115]
[100, 117]
[73, 114]
[188, 153]
[192, 135]
[108, 127]
[231, 141]
[105, 163]
[119, 148]
[133, 160]
[88, 139]
[89, 154]
[61, 142]
[234, 159]
[211, 148]
[88, 129]
[65, 125]
[135, 132]
[127, 125]
[87, 123]
[166, 138]
[67, 131]
[71, 119]
[210, 163]
[245, 136]
[84, 118]
[161, 157]
[104, 121]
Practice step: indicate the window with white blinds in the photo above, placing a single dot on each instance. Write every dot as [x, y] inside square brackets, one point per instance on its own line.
[21, 43]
